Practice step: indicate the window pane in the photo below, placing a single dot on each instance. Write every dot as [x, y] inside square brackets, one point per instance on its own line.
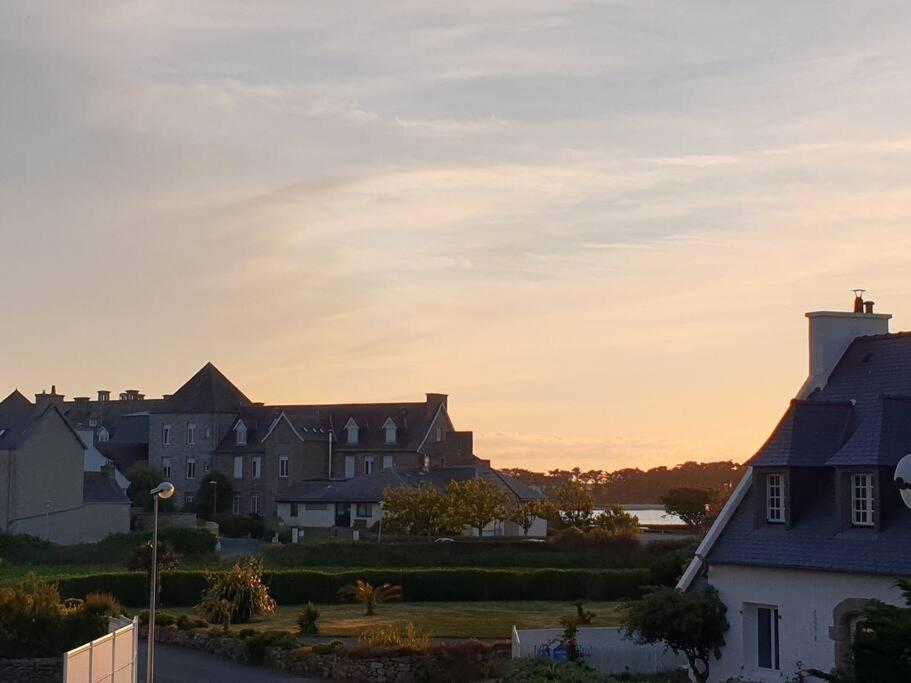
[764, 631]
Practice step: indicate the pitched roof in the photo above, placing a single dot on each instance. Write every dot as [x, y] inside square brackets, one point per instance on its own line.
[809, 434]
[208, 391]
[17, 414]
[815, 541]
[97, 487]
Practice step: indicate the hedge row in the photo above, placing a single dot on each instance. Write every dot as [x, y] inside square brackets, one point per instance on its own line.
[289, 587]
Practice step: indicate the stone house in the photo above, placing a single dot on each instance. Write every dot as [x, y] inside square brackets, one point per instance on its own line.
[44, 488]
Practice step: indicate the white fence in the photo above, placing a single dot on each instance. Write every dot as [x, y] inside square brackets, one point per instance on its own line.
[109, 659]
[605, 649]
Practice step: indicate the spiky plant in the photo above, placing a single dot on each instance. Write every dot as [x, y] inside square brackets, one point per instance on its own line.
[368, 595]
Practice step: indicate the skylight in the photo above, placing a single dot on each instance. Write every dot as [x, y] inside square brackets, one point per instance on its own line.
[2, 431]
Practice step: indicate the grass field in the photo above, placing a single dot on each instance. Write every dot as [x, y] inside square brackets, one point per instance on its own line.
[440, 619]
[10, 573]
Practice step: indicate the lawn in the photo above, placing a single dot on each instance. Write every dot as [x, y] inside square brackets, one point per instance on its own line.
[440, 619]
[11, 573]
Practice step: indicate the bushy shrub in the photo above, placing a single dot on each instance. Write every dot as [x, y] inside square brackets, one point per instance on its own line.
[527, 669]
[242, 589]
[255, 646]
[329, 648]
[129, 588]
[306, 620]
[185, 623]
[141, 558]
[34, 623]
[189, 542]
[388, 635]
[237, 526]
[102, 603]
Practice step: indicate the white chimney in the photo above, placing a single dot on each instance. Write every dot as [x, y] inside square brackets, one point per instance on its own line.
[831, 332]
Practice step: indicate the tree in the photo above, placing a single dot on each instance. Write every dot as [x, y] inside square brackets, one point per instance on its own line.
[882, 644]
[616, 520]
[142, 480]
[524, 513]
[419, 512]
[575, 504]
[475, 503]
[166, 559]
[693, 623]
[236, 596]
[368, 595]
[214, 499]
[689, 504]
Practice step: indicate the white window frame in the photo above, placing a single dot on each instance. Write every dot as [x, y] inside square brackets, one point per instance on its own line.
[104, 435]
[166, 467]
[369, 510]
[368, 465]
[391, 431]
[439, 434]
[862, 499]
[236, 503]
[283, 466]
[256, 466]
[191, 433]
[350, 467]
[294, 510]
[256, 504]
[353, 432]
[191, 468]
[238, 467]
[93, 422]
[240, 432]
[166, 435]
[388, 462]
[774, 498]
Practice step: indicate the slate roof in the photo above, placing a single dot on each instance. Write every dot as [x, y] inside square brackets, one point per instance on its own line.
[208, 391]
[370, 488]
[861, 418]
[315, 422]
[17, 415]
[814, 541]
[97, 487]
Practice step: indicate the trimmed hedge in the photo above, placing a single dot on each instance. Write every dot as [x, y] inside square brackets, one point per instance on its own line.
[292, 587]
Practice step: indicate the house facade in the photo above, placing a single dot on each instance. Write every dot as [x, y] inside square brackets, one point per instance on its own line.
[817, 527]
[45, 490]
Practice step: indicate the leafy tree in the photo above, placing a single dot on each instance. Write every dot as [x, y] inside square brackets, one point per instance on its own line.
[218, 498]
[142, 480]
[689, 504]
[237, 595]
[368, 595]
[575, 504]
[418, 512]
[616, 520]
[693, 623]
[475, 503]
[140, 559]
[525, 513]
[882, 645]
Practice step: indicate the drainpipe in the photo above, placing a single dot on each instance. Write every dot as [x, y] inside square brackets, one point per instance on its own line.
[330, 454]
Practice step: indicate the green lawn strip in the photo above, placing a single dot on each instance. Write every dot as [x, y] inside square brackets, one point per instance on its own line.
[439, 619]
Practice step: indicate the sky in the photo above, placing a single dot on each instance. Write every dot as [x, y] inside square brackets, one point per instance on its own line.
[595, 225]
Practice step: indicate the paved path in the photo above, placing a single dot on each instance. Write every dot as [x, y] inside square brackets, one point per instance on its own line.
[239, 547]
[181, 665]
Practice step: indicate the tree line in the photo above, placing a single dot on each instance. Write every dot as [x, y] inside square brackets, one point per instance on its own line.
[634, 485]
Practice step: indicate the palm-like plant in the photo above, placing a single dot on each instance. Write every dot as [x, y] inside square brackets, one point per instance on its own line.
[370, 596]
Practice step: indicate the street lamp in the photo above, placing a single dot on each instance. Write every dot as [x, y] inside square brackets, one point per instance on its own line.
[214, 483]
[163, 491]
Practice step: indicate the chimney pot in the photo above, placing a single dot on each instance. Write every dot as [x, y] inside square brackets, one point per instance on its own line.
[868, 307]
[103, 395]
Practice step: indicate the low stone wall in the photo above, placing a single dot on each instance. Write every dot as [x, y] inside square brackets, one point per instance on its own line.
[462, 662]
[44, 670]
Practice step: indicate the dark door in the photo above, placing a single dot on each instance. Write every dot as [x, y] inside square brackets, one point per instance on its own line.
[343, 514]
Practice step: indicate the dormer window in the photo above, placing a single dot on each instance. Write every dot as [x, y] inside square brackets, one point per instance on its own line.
[103, 435]
[862, 499]
[93, 422]
[352, 429]
[240, 433]
[391, 431]
[775, 492]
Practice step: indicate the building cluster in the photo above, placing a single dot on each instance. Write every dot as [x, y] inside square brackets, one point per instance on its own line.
[314, 465]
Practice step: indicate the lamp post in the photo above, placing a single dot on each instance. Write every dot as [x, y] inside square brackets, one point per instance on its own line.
[214, 483]
[163, 491]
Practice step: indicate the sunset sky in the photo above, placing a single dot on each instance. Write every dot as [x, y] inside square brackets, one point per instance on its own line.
[596, 226]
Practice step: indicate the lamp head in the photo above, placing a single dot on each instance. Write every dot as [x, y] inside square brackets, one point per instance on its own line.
[164, 490]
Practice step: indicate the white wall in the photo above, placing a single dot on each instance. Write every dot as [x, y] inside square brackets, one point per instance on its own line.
[307, 518]
[805, 601]
[538, 529]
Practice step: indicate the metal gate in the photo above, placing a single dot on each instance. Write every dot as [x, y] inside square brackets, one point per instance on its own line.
[109, 659]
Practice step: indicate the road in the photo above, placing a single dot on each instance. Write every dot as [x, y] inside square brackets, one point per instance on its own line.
[180, 665]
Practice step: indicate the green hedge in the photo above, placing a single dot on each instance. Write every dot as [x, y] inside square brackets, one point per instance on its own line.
[290, 587]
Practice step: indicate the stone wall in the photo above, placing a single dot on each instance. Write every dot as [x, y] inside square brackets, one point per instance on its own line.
[462, 662]
[45, 670]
